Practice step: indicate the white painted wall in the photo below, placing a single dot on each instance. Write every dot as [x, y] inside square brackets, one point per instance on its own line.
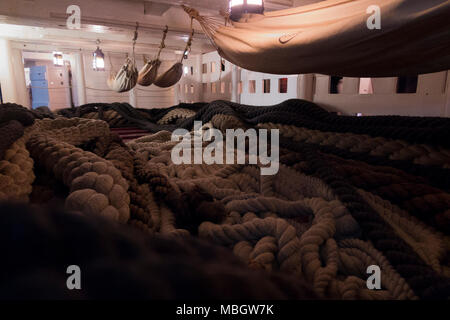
[266, 99]
[12, 74]
[78, 79]
[431, 98]
[215, 78]
[208, 86]
[189, 89]
[218, 85]
[19, 78]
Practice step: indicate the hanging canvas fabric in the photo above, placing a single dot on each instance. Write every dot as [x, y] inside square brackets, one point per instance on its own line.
[354, 38]
[149, 72]
[170, 77]
[174, 74]
[126, 78]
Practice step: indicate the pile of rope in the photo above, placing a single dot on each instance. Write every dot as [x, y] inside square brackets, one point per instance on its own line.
[16, 166]
[351, 192]
[123, 115]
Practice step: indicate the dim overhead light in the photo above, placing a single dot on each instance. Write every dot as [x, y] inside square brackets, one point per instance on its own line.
[240, 7]
[58, 59]
[98, 62]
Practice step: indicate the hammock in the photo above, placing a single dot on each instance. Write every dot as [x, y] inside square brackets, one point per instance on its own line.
[332, 37]
[149, 72]
[174, 74]
[126, 78]
[170, 77]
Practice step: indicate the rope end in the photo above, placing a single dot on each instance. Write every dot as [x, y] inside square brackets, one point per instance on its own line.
[193, 13]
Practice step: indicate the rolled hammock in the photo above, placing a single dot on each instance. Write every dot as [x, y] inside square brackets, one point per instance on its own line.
[127, 77]
[149, 72]
[332, 37]
[174, 74]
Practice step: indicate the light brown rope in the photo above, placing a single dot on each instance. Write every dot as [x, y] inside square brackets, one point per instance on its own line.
[208, 24]
[135, 37]
[162, 45]
[189, 43]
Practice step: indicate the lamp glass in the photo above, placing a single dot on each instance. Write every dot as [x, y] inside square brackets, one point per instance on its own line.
[255, 2]
[98, 63]
[240, 7]
[234, 3]
[58, 59]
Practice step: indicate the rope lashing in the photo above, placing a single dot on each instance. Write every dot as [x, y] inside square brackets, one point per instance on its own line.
[135, 37]
[162, 45]
[189, 43]
[149, 72]
[208, 24]
[193, 13]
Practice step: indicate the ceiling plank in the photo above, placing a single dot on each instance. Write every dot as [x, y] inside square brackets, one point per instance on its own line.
[155, 9]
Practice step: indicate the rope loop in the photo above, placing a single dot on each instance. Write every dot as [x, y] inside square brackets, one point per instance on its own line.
[135, 37]
[162, 45]
[189, 42]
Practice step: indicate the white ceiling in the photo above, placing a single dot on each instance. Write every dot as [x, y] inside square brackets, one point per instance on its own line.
[41, 24]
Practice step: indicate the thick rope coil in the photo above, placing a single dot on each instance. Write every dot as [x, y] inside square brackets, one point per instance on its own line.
[96, 186]
[349, 192]
[392, 149]
[287, 256]
[75, 131]
[176, 114]
[365, 255]
[429, 244]
[16, 173]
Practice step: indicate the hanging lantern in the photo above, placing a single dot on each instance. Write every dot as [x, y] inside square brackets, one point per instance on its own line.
[240, 7]
[98, 63]
[58, 60]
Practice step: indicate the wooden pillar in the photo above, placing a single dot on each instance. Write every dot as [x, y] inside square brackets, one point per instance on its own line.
[235, 79]
[7, 77]
[176, 93]
[199, 77]
[305, 87]
[133, 97]
[176, 97]
[23, 96]
[78, 74]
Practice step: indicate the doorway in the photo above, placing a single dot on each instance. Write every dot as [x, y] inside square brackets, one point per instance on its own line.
[49, 85]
